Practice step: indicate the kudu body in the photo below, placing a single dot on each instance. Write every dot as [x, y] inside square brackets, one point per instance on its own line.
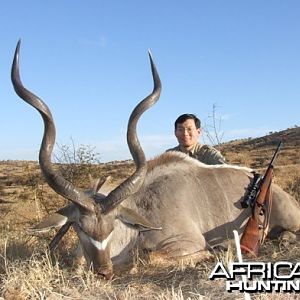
[172, 205]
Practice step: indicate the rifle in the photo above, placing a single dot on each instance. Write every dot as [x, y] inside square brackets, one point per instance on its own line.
[260, 199]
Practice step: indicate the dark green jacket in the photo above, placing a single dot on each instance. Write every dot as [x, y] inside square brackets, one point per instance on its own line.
[204, 153]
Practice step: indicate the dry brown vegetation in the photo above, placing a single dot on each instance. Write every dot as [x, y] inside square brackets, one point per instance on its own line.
[27, 272]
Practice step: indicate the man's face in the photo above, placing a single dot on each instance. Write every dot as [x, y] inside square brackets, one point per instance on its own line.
[187, 134]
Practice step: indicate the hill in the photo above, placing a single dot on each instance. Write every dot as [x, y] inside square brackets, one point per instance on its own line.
[257, 152]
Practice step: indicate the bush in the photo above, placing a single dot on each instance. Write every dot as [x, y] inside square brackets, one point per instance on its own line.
[76, 164]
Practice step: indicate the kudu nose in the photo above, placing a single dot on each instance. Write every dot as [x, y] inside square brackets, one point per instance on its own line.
[106, 274]
[105, 271]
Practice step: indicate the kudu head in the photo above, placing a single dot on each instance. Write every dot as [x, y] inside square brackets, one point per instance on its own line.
[91, 214]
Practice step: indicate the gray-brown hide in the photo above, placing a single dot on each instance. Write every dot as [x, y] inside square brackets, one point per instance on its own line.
[198, 206]
[173, 205]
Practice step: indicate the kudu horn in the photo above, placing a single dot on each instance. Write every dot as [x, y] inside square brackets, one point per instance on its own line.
[133, 183]
[56, 181]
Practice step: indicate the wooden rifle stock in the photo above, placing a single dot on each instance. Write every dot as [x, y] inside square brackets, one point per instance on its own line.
[256, 229]
[251, 236]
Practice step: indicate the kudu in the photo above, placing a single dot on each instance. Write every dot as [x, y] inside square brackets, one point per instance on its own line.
[172, 205]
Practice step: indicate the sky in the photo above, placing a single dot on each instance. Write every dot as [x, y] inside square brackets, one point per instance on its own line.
[88, 61]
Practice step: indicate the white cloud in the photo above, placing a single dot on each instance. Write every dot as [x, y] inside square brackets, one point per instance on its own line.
[246, 132]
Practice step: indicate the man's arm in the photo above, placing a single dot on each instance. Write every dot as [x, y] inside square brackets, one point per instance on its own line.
[210, 156]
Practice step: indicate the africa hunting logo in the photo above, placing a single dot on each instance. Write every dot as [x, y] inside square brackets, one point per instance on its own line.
[252, 277]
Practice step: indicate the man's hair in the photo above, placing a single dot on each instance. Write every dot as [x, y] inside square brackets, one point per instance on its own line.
[185, 117]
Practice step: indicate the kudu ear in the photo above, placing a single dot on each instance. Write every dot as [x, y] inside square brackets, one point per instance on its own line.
[132, 219]
[98, 184]
[68, 213]
[53, 221]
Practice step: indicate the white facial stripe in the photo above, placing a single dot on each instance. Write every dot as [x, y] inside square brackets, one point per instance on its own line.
[101, 245]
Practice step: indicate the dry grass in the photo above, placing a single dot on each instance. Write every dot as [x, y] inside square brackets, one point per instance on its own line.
[32, 275]
[27, 272]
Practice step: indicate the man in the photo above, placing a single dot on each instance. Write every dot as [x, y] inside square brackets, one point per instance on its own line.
[187, 132]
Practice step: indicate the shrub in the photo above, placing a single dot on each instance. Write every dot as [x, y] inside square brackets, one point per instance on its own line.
[76, 164]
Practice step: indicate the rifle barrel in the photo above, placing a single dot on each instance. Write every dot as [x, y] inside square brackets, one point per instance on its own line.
[274, 156]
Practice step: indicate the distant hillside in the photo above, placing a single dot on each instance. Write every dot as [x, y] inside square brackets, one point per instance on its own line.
[257, 152]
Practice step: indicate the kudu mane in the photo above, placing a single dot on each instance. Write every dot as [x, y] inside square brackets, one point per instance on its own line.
[175, 157]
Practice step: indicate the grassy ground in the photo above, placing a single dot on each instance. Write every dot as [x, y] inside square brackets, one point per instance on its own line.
[27, 272]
